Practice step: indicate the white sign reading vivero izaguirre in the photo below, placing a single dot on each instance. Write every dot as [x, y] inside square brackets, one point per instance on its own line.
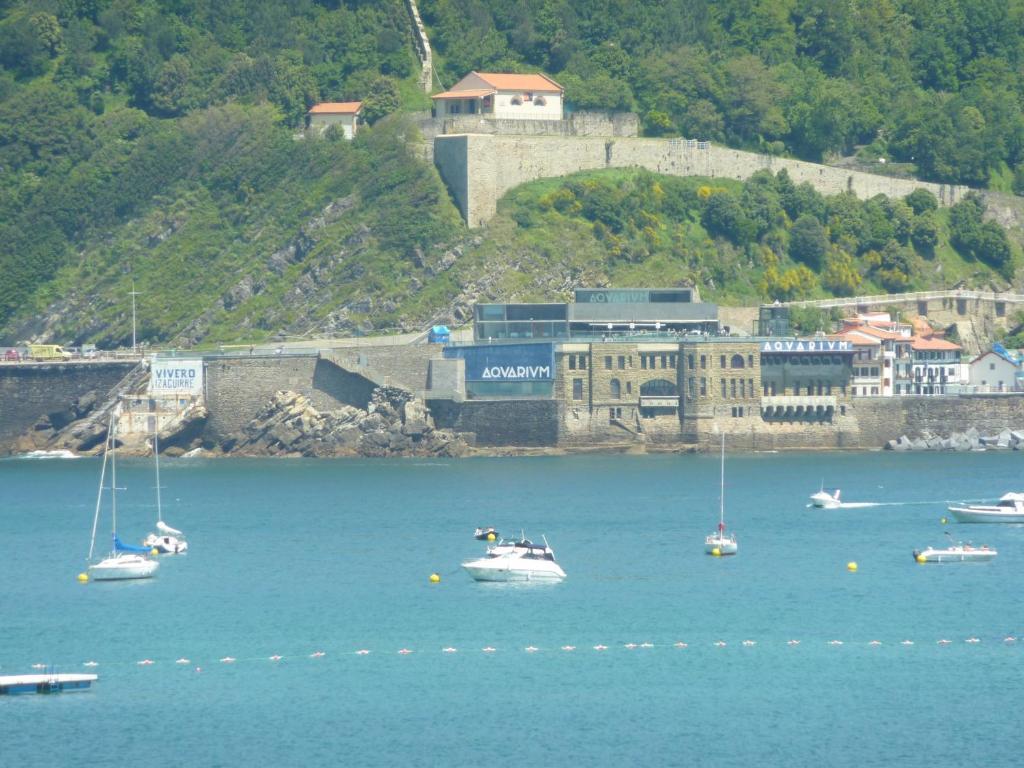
[176, 377]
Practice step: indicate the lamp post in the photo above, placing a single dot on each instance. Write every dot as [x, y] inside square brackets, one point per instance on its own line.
[134, 293]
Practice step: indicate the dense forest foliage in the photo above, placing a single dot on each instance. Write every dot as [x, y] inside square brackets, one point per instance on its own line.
[763, 239]
[154, 144]
[936, 85]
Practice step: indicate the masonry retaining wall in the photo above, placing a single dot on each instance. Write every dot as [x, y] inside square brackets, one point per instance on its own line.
[31, 390]
[479, 168]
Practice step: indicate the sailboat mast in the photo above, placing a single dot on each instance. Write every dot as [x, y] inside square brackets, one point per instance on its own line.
[99, 493]
[113, 471]
[156, 459]
[721, 494]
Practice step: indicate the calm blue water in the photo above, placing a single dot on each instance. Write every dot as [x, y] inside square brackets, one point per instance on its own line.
[294, 557]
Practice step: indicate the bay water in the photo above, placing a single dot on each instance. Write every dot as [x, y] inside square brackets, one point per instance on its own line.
[649, 653]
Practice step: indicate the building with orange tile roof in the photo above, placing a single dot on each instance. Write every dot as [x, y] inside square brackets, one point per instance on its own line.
[502, 96]
[936, 366]
[344, 114]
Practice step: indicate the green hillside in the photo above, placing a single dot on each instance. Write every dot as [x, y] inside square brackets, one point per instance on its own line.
[154, 144]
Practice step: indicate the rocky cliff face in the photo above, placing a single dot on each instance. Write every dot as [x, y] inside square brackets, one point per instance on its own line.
[393, 425]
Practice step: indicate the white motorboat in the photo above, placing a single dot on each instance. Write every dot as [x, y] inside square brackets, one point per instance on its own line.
[1009, 509]
[167, 540]
[516, 561]
[721, 543]
[124, 561]
[955, 553]
[826, 499]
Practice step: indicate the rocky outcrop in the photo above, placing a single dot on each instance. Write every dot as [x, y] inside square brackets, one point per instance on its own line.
[1005, 440]
[395, 424]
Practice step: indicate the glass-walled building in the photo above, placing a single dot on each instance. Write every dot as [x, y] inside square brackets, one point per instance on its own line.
[599, 312]
[520, 321]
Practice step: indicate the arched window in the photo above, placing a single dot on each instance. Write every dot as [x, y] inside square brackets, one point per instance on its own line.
[616, 388]
[658, 388]
[540, 101]
[736, 361]
[516, 101]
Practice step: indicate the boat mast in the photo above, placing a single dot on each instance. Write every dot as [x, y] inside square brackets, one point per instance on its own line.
[156, 459]
[721, 494]
[113, 473]
[99, 493]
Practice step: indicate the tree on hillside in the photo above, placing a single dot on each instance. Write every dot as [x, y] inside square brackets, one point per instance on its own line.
[381, 100]
[808, 242]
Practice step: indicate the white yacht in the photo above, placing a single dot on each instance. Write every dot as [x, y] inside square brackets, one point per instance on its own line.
[1009, 509]
[721, 543]
[124, 561]
[167, 540]
[516, 561]
[826, 499]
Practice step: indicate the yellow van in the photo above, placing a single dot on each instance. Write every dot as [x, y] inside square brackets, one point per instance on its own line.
[48, 352]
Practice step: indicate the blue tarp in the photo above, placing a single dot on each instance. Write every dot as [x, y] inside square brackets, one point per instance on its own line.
[120, 546]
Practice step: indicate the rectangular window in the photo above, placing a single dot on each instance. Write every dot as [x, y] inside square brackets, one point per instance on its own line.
[664, 362]
[734, 411]
[577, 389]
[732, 388]
[693, 386]
[583, 362]
[689, 361]
[607, 362]
[750, 364]
[743, 388]
[740, 410]
[703, 361]
[752, 390]
[703, 387]
[622, 362]
[629, 387]
[572, 362]
[723, 386]
[643, 362]
[721, 361]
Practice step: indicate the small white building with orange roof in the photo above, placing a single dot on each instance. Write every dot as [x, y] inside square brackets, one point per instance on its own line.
[502, 96]
[344, 114]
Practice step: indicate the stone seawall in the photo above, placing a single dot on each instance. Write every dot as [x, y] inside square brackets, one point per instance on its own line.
[479, 168]
[496, 423]
[29, 391]
[238, 388]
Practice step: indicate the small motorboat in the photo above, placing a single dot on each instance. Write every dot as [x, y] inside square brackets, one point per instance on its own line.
[955, 553]
[516, 561]
[485, 534]
[826, 499]
[1009, 509]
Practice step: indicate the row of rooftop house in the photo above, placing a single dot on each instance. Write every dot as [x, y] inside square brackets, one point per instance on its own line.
[489, 95]
[660, 352]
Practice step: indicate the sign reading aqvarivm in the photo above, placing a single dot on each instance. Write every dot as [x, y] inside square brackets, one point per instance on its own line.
[183, 377]
[801, 345]
[506, 362]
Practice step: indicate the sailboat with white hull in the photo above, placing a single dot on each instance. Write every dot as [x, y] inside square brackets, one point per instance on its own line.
[721, 543]
[167, 540]
[124, 561]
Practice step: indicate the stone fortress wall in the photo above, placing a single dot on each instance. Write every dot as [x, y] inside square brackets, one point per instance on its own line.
[480, 168]
[29, 391]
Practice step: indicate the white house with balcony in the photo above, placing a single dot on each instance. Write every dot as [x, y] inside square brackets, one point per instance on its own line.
[343, 114]
[936, 367]
[882, 362]
[502, 96]
[995, 371]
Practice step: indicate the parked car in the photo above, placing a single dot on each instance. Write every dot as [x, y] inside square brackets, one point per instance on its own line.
[12, 355]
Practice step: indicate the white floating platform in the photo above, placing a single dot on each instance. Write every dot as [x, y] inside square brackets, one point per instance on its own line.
[55, 683]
